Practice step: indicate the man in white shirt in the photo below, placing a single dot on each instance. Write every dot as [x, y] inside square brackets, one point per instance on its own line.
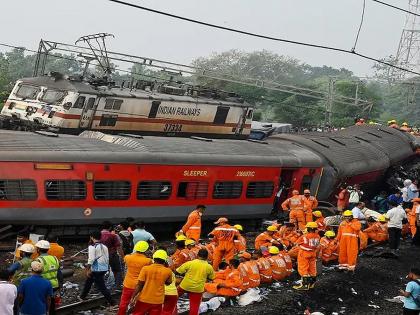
[355, 195]
[357, 212]
[395, 215]
[8, 293]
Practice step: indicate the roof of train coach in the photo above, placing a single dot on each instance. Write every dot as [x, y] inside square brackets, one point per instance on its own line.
[96, 147]
[358, 149]
[83, 87]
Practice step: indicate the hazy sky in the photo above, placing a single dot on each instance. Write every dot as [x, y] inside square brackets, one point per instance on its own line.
[328, 22]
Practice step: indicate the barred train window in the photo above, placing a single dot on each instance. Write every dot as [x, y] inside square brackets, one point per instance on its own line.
[108, 120]
[260, 190]
[18, 189]
[112, 103]
[154, 190]
[65, 189]
[112, 190]
[227, 190]
[193, 190]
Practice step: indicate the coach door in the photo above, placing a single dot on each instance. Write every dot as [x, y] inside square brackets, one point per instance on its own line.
[87, 113]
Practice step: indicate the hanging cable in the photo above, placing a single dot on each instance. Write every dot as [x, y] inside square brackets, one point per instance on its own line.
[360, 26]
[396, 8]
[261, 36]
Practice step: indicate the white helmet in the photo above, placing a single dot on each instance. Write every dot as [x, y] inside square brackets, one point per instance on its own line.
[27, 248]
[43, 244]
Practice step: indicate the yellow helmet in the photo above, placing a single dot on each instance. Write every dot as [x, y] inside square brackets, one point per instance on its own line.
[372, 123]
[181, 237]
[348, 213]
[382, 218]
[273, 250]
[272, 228]
[141, 246]
[317, 213]
[389, 122]
[393, 121]
[238, 227]
[160, 254]
[189, 242]
[330, 234]
[404, 124]
[311, 225]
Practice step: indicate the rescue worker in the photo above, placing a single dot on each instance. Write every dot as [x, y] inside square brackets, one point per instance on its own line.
[249, 271]
[51, 270]
[288, 235]
[295, 205]
[23, 238]
[190, 246]
[240, 242]
[342, 198]
[320, 220]
[22, 268]
[405, 127]
[393, 124]
[134, 264]
[181, 253]
[224, 236]
[411, 216]
[308, 252]
[348, 234]
[266, 239]
[310, 204]
[192, 228]
[378, 230]
[329, 248]
[264, 268]
[360, 122]
[55, 249]
[231, 286]
[277, 263]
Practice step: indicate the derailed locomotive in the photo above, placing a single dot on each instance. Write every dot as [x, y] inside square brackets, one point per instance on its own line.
[47, 179]
[72, 105]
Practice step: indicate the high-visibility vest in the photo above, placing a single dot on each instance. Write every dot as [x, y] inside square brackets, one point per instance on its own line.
[50, 269]
[24, 271]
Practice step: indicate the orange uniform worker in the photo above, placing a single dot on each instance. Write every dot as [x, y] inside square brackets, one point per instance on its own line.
[343, 198]
[378, 231]
[192, 228]
[134, 263]
[266, 238]
[277, 263]
[295, 205]
[240, 242]
[266, 274]
[329, 248]
[411, 216]
[310, 203]
[231, 286]
[23, 238]
[55, 249]
[191, 249]
[405, 127]
[288, 234]
[320, 220]
[348, 234]
[308, 252]
[249, 272]
[393, 124]
[149, 294]
[224, 236]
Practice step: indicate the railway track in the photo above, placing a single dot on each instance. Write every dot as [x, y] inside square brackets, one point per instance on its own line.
[87, 305]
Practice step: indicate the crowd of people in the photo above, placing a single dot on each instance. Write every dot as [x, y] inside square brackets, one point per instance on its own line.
[228, 264]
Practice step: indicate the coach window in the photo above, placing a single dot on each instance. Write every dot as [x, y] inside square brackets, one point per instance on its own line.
[111, 190]
[193, 190]
[18, 189]
[112, 103]
[306, 182]
[65, 189]
[227, 190]
[154, 109]
[91, 103]
[154, 190]
[221, 115]
[80, 102]
[260, 190]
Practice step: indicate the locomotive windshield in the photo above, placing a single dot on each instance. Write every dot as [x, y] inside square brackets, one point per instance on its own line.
[52, 96]
[27, 92]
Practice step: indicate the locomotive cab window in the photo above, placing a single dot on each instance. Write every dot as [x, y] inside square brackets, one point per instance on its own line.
[154, 109]
[91, 103]
[260, 190]
[112, 103]
[154, 190]
[65, 190]
[227, 190]
[193, 190]
[18, 189]
[27, 92]
[111, 190]
[80, 102]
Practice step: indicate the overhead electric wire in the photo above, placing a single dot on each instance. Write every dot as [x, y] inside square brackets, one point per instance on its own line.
[396, 8]
[234, 30]
[360, 26]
